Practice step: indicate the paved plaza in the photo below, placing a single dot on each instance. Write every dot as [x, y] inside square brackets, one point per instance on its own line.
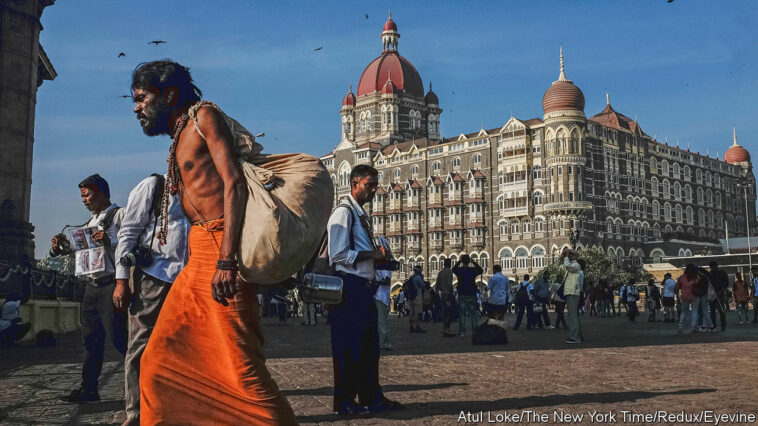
[636, 367]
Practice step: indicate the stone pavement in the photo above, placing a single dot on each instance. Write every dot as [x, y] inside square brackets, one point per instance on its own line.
[641, 367]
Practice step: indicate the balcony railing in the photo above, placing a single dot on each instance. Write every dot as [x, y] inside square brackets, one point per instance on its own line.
[476, 218]
[396, 247]
[436, 244]
[512, 186]
[569, 205]
[395, 205]
[514, 211]
[435, 223]
[412, 225]
[475, 193]
[414, 245]
[457, 243]
[412, 202]
[394, 227]
[477, 241]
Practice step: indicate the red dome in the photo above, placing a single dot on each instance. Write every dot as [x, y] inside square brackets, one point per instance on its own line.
[404, 75]
[349, 99]
[563, 95]
[736, 154]
[389, 25]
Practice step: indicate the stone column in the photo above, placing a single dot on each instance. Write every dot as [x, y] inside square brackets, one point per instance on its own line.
[23, 67]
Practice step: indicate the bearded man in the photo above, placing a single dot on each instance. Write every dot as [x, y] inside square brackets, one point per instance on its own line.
[204, 360]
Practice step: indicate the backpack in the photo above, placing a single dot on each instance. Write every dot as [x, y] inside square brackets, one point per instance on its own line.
[522, 296]
[700, 288]
[287, 209]
[409, 288]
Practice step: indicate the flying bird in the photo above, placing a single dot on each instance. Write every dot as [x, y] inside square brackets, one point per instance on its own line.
[670, 1]
[318, 48]
[260, 135]
[122, 54]
[156, 42]
[125, 96]
[367, 16]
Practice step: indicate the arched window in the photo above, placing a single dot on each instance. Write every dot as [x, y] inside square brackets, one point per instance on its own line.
[521, 258]
[503, 226]
[477, 160]
[537, 172]
[456, 162]
[538, 257]
[484, 261]
[396, 173]
[537, 199]
[505, 258]
[539, 224]
[436, 166]
[515, 228]
[414, 170]
[344, 174]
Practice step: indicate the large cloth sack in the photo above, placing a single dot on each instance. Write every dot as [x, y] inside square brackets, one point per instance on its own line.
[489, 334]
[289, 201]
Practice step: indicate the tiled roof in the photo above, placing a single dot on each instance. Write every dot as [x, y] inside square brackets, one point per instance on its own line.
[610, 118]
[533, 121]
[370, 145]
[457, 177]
[397, 187]
[380, 190]
[415, 184]
[438, 181]
[479, 175]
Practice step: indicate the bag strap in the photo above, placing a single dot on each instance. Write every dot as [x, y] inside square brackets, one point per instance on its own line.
[157, 201]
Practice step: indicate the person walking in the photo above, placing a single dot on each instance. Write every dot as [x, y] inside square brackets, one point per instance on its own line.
[632, 296]
[559, 300]
[542, 298]
[719, 280]
[684, 288]
[652, 300]
[571, 289]
[444, 287]
[741, 294]
[524, 295]
[383, 279]
[99, 318]
[414, 293]
[669, 294]
[701, 318]
[467, 292]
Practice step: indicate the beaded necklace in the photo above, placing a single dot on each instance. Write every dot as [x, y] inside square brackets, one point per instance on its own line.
[173, 178]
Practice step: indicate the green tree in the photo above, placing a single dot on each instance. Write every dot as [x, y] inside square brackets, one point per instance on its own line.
[599, 265]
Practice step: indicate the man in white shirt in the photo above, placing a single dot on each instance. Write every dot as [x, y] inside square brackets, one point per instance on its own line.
[99, 320]
[668, 298]
[572, 287]
[355, 339]
[156, 267]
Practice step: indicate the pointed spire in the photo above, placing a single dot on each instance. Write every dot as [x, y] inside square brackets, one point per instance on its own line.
[734, 131]
[607, 98]
[390, 15]
[430, 85]
[562, 76]
[350, 88]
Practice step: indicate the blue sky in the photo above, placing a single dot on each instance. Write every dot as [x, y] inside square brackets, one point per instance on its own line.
[686, 70]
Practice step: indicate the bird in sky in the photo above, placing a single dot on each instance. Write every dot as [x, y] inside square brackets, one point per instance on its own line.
[260, 135]
[318, 48]
[125, 96]
[122, 54]
[367, 16]
[156, 42]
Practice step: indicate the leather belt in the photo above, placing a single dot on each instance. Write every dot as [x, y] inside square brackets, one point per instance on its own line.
[102, 280]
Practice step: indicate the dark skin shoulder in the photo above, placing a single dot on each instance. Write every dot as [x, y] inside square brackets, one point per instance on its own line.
[213, 186]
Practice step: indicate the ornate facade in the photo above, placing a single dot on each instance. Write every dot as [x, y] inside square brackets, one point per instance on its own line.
[519, 193]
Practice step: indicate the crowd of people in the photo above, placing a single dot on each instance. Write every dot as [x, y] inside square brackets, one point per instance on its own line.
[697, 300]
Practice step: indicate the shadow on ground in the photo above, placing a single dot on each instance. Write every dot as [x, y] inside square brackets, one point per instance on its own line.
[454, 408]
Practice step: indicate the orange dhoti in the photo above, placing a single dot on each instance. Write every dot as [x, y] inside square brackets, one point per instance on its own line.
[204, 361]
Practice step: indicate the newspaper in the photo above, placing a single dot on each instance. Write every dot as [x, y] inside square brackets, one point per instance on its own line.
[90, 254]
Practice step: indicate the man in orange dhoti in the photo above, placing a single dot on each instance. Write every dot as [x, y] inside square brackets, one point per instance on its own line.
[204, 362]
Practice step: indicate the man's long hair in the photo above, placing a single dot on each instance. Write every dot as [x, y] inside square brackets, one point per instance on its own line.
[159, 75]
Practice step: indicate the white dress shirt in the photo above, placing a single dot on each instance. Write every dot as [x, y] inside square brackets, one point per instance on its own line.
[112, 232]
[340, 254]
[137, 229]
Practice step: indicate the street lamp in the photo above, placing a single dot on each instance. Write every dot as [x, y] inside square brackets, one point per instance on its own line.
[747, 221]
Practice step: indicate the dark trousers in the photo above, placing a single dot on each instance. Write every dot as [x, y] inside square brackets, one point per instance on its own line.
[542, 317]
[559, 318]
[98, 321]
[15, 332]
[520, 307]
[613, 306]
[355, 344]
[449, 307]
[631, 308]
[716, 305]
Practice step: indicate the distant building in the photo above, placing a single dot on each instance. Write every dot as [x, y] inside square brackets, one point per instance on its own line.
[23, 67]
[519, 193]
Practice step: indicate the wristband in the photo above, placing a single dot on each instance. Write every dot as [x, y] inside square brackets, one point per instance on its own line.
[227, 265]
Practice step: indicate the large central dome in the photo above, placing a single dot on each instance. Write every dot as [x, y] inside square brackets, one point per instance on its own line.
[390, 66]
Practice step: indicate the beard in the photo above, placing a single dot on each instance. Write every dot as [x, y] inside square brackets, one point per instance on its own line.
[154, 121]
